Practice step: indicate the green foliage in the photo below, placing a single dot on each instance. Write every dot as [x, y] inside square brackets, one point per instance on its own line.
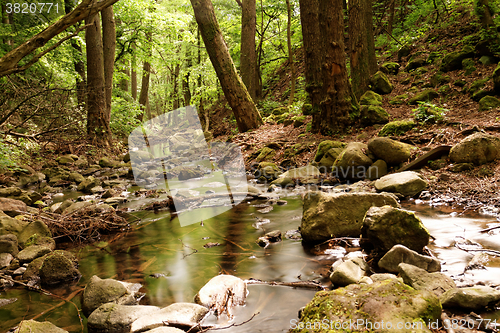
[124, 116]
[428, 113]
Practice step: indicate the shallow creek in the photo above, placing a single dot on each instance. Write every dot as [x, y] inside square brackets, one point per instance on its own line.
[172, 263]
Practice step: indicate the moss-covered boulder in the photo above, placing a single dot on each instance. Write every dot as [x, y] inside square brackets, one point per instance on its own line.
[439, 79]
[88, 184]
[57, 268]
[426, 95]
[106, 162]
[398, 127]
[326, 145]
[9, 244]
[477, 85]
[326, 163]
[353, 162]
[399, 99]
[376, 170]
[371, 114]
[478, 95]
[404, 51]
[384, 306]
[267, 171]
[329, 215]
[470, 298]
[478, 148]
[66, 159]
[33, 228]
[469, 66]
[384, 227]
[370, 98]
[390, 68]
[453, 61]
[265, 154]
[496, 79]
[381, 84]
[33, 326]
[415, 63]
[10, 225]
[488, 102]
[391, 151]
[303, 175]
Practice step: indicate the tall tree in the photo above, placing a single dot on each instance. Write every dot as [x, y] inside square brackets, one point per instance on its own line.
[290, 51]
[246, 114]
[109, 47]
[248, 57]
[133, 75]
[97, 120]
[360, 65]
[367, 7]
[146, 73]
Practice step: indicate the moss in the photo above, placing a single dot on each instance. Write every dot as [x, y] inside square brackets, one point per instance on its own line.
[398, 127]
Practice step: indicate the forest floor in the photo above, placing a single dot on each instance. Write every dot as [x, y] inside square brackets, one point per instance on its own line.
[477, 189]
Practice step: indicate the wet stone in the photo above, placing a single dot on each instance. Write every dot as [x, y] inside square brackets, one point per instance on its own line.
[111, 317]
[32, 252]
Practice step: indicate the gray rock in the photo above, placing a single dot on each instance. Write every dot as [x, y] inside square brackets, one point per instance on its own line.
[57, 268]
[391, 151]
[328, 215]
[111, 317]
[33, 228]
[303, 174]
[401, 254]
[10, 192]
[9, 244]
[407, 183]
[32, 252]
[383, 276]
[420, 279]
[376, 170]
[12, 207]
[101, 291]
[32, 326]
[384, 227]
[352, 163]
[183, 315]
[478, 148]
[5, 259]
[9, 225]
[222, 293]
[470, 298]
[349, 271]
[388, 301]
[74, 206]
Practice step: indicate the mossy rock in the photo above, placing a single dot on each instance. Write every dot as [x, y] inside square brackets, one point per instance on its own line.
[425, 96]
[433, 56]
[439, 79]
[478, 95]
[488, 102]
[460, 83]
[371, 114]
[390, 68]
[453, 61]
[265, 153]
[57, 268]
[404, 51]
[469, 66]
[444, 90]
[370, 98]
[477, 85]
[281, 110]
[381, 84]
[325, 146]
[415, 63]
[298, 121]
[496, 79]
[398, 100]
[329, 158]
[398, 127]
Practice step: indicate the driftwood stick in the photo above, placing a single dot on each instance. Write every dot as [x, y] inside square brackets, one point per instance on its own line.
[295, 284]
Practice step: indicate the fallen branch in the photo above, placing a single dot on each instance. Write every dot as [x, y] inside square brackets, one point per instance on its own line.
[295, 284]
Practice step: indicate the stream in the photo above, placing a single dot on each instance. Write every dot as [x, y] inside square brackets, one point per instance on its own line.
[173, 263]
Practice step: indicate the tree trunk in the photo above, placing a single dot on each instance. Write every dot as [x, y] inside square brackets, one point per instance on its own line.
[246, 114]
[133, 76]
[97, 122]
[248, 58]
[109, 46]
[360, 71]
[175, 81]
[185, 79]
[367, 6]
[290, 51]
[124, 82]
[143, 97]
[309, 19]
[483, 10]
[390, 21]
[5, 20]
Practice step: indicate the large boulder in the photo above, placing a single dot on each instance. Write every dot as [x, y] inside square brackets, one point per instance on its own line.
[418, 278]
[33, 326]
[101, 291]
[9, 244]
[267, 171]
[303, 174]
[488, 102]
[390, 68]
[362, 307]
[183, 315]
[376, 170]
[470, 298]
[371, 115]
[348, 272]
[57, 268]
[328, 215]
[325, 146]
[353, 162]
[10, 225]
[370, 98]
[397, 127]
[453, 61]
[325, 164]
[381, 84]
[496, 79]
[478, 148]
[111, 317]
[401, 254]
[33, 228]
[384, 227]
[88, 184]
[426, 95]
[12, 207]
[407, 183]
[391, 151]
[222, 293]
[32, 252]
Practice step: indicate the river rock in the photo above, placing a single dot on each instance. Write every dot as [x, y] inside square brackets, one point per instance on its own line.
[376, 170]
[32, 326]
[418, 278]
[325, 146]
[75, 206]
[57, 268]
[88, 184]
[41, 240]
[384, 276]
[5, 260]
[397, 127]
[100, 291]
[186, 173]
[470, 298]
[108, 163]
[326, 162]
[76, 177]
[166, 330]
[66, 159]
[384, 227]
[407, 183]
[303, 174]
[391, 151]
[183, 315]
[12, 207]
[348, 272]
[9, 225]
[352, 163]
[222, 293]
[381, 84]
[32, 252]
[328, 215]
[111, 317]
[33, 228]
[401, 254]
[478, 148]
[9, 244]
[268, 170]
[388, 301]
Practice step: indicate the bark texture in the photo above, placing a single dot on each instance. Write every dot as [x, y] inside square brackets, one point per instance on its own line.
[109, 47]
[248, 57]
[360, 66]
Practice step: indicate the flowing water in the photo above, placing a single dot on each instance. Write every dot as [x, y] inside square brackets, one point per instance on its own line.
[172, 263]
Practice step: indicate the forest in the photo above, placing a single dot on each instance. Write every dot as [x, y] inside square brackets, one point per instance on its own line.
[155, 153]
